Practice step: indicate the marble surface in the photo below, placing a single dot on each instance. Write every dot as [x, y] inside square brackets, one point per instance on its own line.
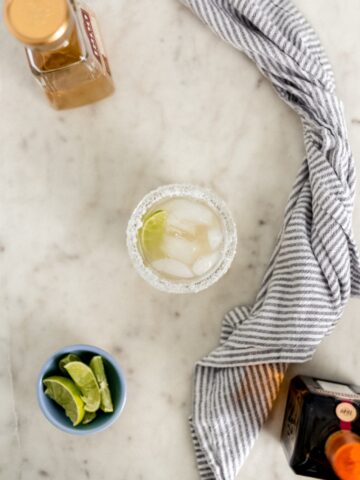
[187, 108]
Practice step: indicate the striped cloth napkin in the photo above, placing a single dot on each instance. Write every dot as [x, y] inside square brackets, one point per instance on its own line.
[315, 266]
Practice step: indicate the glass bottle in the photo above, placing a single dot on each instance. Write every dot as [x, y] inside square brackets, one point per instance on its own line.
[63, 48]
[321, 430]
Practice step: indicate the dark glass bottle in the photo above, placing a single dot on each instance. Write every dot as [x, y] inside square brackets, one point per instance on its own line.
[321, 430]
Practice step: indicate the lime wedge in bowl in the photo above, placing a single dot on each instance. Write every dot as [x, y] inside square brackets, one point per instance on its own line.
[97, 366]
[69, 358]
[85, 380]
[88, 417]
[65, 393]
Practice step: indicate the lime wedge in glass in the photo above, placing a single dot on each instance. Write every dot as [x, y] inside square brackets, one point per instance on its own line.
[86, 382]
[97, 366]
[151, 234]
[64, 392]
[88, 417]
[69, 358]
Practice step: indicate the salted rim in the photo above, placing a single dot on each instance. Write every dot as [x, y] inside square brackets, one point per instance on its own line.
[182, 191]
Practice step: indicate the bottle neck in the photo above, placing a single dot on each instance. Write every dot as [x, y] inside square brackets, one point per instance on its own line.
[62, 42]
[342, 450]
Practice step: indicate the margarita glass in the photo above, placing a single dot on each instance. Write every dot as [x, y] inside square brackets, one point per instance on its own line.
[181, 238]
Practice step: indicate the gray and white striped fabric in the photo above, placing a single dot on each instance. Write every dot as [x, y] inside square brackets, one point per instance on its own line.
[315, 266]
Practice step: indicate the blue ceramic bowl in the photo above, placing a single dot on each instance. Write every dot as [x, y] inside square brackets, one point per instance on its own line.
[56, 415]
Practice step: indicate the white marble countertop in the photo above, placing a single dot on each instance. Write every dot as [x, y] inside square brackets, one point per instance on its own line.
[187, 108]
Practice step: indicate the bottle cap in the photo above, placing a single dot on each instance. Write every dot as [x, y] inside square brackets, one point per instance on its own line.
[343, 451]
[37, 22]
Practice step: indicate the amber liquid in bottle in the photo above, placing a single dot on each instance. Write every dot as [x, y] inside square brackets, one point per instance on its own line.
[68, 60]
[321, 429]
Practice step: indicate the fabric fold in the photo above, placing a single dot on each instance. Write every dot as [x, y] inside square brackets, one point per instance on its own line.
[315, 265]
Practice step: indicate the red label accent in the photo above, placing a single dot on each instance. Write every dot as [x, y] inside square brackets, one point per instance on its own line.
[345, 425]
[91, 35]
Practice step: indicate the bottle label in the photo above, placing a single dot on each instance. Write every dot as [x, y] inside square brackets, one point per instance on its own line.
[93, 34]
[337, 390]
[346, 412]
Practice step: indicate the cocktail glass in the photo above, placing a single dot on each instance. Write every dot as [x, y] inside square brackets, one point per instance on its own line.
[181, 238]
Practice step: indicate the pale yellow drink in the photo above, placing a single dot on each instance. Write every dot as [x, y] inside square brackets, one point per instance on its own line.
[188, 241]
[181, 238]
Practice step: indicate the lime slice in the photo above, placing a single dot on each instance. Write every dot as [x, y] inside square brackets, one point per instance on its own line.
[88, 417]
[97, 366]
[86, 382]
[69, 358]
[152, 233]
[64, 392]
